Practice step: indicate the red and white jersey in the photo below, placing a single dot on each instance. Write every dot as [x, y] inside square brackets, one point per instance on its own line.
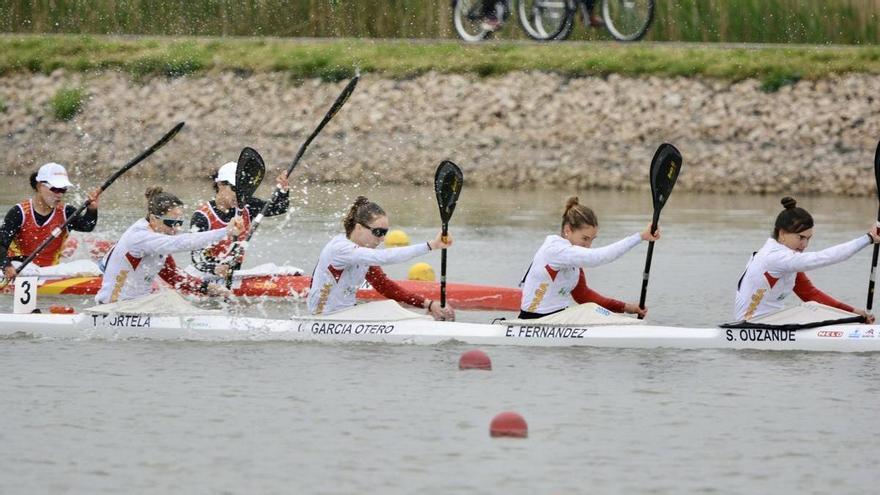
[771, 274]
[140, 255]
[31, 235]
[221, 248]
[342, 268]
[556, 267]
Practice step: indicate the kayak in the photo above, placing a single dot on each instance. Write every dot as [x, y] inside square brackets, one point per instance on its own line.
[387, 322]
[460, 296]
[80, 279]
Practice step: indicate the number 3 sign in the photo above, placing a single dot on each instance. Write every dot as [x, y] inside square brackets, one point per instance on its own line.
[25, 297]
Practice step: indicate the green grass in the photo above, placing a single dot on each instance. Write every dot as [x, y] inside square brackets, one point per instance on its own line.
[3, 105]
[335, 60]
[760, 21]
[67, 102]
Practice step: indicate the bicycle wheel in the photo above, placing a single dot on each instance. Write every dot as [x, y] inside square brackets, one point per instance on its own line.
[467, 17]
[627, 20]
[546, 19]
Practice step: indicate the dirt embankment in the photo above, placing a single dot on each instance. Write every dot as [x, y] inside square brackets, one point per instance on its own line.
[519, 130]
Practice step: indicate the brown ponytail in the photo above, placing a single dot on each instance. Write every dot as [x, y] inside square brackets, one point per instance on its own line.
[362, 211]
[158, 202]
[792, 219]
[577, 215]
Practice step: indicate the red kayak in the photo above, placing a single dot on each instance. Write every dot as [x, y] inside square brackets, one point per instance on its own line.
[460, 296]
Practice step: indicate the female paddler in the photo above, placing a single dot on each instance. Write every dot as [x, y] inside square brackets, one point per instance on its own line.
[213, 262]
[32, 221]
[777, 269]
[143, 252]
[347, 260]
[556, 275]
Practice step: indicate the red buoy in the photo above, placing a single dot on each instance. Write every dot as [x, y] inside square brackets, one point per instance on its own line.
[475, 360]
[509, 424]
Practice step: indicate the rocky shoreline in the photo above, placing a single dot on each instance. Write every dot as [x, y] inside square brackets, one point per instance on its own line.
[521, 130]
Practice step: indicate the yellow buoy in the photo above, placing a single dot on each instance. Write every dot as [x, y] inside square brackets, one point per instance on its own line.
[421, 271]
[396, 238]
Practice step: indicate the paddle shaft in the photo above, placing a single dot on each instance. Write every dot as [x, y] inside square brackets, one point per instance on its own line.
[125, 168]
[443, 268]
[870, 303]
[648, 258]
[340, 100]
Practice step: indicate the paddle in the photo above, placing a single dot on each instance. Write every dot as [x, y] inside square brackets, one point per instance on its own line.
[447, 185]
[125, 168]
[876, 246]
[249, 172]
[340, 101]
[665, 167]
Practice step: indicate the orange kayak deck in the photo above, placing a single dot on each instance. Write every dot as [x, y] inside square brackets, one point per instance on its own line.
[460, 296]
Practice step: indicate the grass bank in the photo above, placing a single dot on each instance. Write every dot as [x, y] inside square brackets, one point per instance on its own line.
[735, 21]
[339, 58]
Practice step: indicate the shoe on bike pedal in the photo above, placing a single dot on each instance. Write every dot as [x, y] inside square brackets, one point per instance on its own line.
[596, 21]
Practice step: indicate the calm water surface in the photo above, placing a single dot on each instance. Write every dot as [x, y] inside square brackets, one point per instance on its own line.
[160, 417]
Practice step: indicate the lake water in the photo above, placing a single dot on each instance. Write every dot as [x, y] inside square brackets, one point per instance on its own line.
[160, 417]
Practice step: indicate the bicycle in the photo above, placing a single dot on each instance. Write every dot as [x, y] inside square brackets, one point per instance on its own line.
[468, 17]
[543, 20]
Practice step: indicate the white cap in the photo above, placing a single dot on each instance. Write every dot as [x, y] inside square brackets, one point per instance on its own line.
[227, 173]
[54, 174]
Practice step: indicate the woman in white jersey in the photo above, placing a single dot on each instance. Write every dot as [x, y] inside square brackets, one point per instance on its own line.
[143, 252]
[350, 258]
[777, 269]
[556, 277]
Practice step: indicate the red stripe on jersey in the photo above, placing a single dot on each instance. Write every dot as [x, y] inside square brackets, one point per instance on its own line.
[335, 272]
[134, 261]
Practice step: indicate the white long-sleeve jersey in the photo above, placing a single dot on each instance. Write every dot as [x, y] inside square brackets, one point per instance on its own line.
[770, 275]
[342, 267]
[556, 267]
[140, 254]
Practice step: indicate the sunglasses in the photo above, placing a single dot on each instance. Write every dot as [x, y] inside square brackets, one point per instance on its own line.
[174, 223]
[376, 231]
[56, 190]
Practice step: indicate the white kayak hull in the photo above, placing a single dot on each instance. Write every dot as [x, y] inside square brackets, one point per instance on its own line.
[837, 338]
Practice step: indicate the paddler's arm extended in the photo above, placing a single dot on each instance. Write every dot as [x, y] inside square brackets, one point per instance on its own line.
[8, 231]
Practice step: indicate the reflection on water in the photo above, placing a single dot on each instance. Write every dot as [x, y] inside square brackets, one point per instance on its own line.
[706, 242]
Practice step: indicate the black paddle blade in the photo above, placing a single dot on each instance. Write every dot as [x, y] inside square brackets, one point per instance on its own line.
[447, 185]
[665, 167]
[147, 152]
[877, 171]
[342, 98]
[249, 174]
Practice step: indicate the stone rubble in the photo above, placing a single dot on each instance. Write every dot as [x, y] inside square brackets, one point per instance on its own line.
[520, 130]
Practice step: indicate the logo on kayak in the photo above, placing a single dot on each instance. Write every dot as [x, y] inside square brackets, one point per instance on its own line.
[855, 334]
[829, 333]
[869, 334]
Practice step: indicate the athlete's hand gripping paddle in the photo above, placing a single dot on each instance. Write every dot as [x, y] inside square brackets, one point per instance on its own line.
[125, 168]
[448, 181]
[665, 167]
[249, 172]
[876, 246]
